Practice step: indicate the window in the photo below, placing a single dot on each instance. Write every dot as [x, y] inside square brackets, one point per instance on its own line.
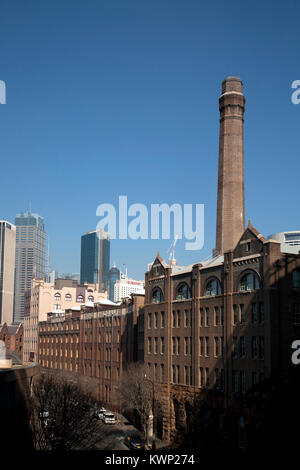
[216, 316]
[57, 296]
[235, 382]
[213, 288]
[242, 347]
[296, 313]
[242, 313]
[173, 345]
[254, 378]
[296, 279]
[149, 346]
[157, 296]
[207, 346]
[222, 315]
[261, 312]
[235, 314]
[254, 347]
[173, 319]
[80, 298]
[202, 382]
[155, 320]
[162, 319]
[162, 372]
[186, 375]
[183, 292]
[254, 313]
[68, 297]
[207, 316]
[178, 374]
[162, 345]
[222, 380]
[155, 345]
[178, 345]
[149, 320]
[217, 347]
[201, 346]
[217, 378]
[201, 317]
[249, 282]
[90, 298]
[261, 347]
[173, 374]
[243, 381]
[178, 318]
[186, 345]
[207, 376]
[235, 347]
[186, 318]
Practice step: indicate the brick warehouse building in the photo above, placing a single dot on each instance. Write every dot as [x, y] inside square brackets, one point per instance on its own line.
[97, 342]
[227, 323]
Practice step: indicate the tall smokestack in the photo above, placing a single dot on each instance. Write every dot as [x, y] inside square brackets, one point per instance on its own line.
[231, 194]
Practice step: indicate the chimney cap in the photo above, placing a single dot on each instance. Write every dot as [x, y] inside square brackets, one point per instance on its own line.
[232, 79]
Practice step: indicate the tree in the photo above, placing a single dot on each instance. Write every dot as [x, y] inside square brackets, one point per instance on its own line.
[61, 414]
[136, 393]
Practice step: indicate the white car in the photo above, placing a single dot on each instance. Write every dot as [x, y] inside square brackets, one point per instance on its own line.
[109, 418]
[99, 413]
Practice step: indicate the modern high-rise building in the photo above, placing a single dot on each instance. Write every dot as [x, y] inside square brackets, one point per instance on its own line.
[123, 288]
[94, 260]
[114, 276]
[30, 257]
[7, 270]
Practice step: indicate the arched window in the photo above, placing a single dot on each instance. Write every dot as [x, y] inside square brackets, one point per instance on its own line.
[68, 297]
[57, 296]
[249, 281]
[213, 287]
[157, 296]
[296, 279]
[80, 298]
[183, 292]
[90, 298]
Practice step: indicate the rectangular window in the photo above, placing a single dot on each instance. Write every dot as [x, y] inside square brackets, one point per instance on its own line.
[162, 319]
[207, 316]
[235, 381]
[173, 319]
[186, 346]
[155, 320]
[216, 316]
[242, 313]
[254, 347]
[243, 381]
[242, 347]
[149, 320]
[155, 345]
[162, 373]
[217, 348]
[235, 314]
[207, 377]
[186, 318]
[235, 347]
[254, 313]
[178, 318]
[149, 345]
[201, 346]
[201, 317]
[202, 382]
[296, 313]
[162, 345]
[207, 346]
[261, 312]
[222, 315]
[261, 347]
[178, 345]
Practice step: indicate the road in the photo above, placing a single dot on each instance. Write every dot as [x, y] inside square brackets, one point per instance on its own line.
[111, 436]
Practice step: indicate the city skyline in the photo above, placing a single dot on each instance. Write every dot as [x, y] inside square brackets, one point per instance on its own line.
[146, 94]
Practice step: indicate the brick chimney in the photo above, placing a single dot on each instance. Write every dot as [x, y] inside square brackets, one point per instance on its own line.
[231, 194]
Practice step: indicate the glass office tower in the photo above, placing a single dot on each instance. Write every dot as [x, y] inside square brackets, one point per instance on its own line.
[94, 260]
[114, 275]
[30, 257]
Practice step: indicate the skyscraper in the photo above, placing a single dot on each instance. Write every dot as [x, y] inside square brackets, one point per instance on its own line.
[94, 260]
[7, 270]
[30, 257]
[114, 275]
[231, 198]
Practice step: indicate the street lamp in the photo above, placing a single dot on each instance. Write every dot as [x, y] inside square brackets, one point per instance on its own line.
[153, 415]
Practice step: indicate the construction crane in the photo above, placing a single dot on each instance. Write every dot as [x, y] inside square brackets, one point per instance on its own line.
[172, 261]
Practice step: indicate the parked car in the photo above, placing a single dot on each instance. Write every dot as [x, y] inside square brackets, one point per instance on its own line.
[109, 418]
[99, 413]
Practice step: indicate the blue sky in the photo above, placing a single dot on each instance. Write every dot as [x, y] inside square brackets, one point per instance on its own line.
[120, 97]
